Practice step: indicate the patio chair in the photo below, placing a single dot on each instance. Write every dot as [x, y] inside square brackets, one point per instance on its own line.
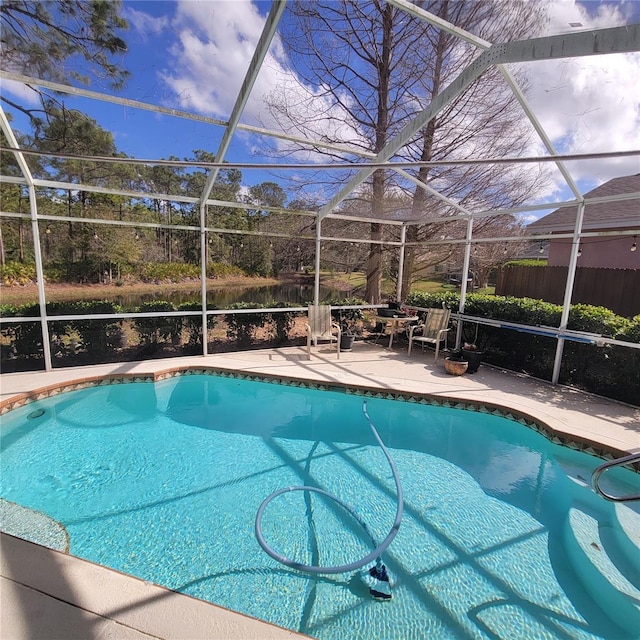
[432, 331]
[321, 327]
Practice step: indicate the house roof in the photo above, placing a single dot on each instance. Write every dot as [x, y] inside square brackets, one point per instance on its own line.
[621, 214]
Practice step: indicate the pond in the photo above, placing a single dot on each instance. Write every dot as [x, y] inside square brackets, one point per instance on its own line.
[299, 294]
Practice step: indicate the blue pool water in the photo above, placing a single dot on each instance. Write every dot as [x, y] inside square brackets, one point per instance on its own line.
[163, 481]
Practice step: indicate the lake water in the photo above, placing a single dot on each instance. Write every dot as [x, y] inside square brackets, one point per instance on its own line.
[299, 294]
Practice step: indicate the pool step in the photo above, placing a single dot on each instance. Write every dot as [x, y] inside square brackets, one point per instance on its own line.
[619, 529]
[622, 542]
[606, 561]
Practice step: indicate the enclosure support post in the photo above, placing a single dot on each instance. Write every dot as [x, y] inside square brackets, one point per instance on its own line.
[463, 277]
[568, 292]
[37, 251]
[35, 230]
[203, 274]
[403, 239]
[316, 282]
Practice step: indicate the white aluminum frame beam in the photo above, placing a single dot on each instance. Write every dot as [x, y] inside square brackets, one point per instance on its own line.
[268, 32]
[178, 113]
[568, 292]
[433, 192]
[347, 166]
[466, 261]
[259, 54]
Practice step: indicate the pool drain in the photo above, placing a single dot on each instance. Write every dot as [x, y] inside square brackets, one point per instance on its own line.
[36, 414]
[377, 576]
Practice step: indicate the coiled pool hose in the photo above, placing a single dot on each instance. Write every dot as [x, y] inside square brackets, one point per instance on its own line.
[378, 572]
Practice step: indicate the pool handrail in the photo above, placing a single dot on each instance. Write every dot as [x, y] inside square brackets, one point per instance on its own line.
[595, 477]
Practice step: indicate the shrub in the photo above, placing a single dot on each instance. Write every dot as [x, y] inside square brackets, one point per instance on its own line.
[17, 273]
[350, 320]
[26, 337]
[585, 317]
[241, 327]
[193, 324]
[87, 270]
[527, 262]
[168, 272]
[97, 337]
[222, 270]
[451, 299]
[155, 330]
[610, 371]
[7, 331]
[283, 321]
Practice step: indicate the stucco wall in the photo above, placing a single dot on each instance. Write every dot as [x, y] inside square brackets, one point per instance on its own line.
[610, 252]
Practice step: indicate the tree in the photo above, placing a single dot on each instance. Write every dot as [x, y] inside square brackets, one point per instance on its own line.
[486, 120]
[62, 40]
[77, 134]
[258, 254]
[369, 68]
[356, 57]
[40, 37]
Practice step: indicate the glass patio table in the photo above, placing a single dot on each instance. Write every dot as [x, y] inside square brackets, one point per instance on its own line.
[395, 322]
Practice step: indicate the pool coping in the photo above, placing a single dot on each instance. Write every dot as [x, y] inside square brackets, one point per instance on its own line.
[61, 595]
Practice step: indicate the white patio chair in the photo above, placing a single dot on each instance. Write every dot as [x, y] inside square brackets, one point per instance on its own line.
[432, 331]
[321, 327]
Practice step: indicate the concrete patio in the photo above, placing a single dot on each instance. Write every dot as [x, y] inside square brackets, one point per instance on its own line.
[48, 594]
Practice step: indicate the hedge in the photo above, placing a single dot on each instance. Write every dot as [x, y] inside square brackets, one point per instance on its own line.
[610, 371]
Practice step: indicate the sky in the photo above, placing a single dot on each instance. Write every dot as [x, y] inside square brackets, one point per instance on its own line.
[193, 55]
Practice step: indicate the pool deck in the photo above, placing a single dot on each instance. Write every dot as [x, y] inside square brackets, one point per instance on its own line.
[49, 594]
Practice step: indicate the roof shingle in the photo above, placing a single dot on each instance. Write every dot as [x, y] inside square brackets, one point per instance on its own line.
[599, 215]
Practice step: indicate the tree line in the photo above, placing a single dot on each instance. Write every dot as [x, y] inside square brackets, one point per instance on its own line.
[377, 66]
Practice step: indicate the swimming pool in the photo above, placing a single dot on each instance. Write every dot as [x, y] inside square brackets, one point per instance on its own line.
[163, 481]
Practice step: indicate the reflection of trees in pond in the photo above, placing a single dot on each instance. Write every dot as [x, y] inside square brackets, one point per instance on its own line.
[301, 294]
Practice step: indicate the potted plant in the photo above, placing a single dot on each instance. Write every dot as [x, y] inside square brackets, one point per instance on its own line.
[455, 364]
[346, 341]
[470, 350]
[349, 326]
[472, 355]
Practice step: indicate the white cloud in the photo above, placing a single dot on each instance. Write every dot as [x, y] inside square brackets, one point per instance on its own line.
[215, 42]
[146, 25]
[209, 60]
[24, 95]
[589, 104]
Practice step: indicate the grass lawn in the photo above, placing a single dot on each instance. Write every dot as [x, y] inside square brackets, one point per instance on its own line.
[358, 280]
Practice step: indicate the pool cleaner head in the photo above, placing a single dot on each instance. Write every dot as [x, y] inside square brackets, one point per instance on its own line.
[379, 586]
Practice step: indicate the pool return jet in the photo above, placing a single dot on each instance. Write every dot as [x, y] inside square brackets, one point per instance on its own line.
[377, 577]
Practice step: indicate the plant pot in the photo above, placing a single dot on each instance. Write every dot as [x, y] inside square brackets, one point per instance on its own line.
[455, 367]
[474, 358]
[346, 342]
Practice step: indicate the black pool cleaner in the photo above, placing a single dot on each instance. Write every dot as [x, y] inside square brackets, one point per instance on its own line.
[377, 578]
[380, 587]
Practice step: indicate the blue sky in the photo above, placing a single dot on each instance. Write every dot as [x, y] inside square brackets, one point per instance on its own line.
[193, 55]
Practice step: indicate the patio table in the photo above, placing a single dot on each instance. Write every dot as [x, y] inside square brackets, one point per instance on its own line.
[395, 323]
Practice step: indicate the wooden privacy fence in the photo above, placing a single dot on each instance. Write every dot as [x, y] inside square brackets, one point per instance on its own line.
[615, 289]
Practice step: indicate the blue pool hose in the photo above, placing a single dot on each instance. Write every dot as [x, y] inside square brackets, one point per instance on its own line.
[345, 568]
